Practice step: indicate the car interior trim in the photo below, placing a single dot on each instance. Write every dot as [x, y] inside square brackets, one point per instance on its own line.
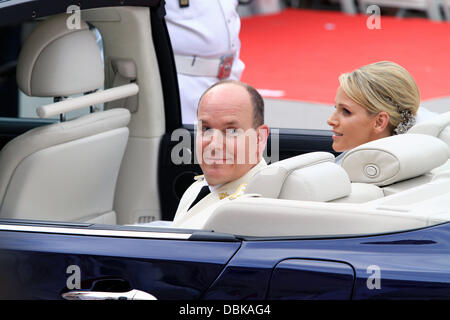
[95, 232]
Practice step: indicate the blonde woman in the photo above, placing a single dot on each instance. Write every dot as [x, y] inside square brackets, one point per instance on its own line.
[374, 101]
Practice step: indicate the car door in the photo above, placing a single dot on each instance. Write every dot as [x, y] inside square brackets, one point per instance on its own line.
[42, 260]
[412, 264]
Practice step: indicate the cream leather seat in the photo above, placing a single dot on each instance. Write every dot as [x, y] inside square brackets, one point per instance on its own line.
[439, 127]
[368, 172]
[396, 163]
[309, 177]
[65, 171]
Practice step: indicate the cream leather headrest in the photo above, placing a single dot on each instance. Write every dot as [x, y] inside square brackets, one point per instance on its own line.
[56, 61]
[438, 126]
[308, 177]
[395, 158]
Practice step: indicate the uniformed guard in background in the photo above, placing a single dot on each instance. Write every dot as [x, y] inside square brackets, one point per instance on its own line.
[206, 45]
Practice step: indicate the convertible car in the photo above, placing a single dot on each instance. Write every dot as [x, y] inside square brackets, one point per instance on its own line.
[88, 173]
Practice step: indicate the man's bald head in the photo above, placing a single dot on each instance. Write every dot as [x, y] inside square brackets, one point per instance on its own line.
[256, 101]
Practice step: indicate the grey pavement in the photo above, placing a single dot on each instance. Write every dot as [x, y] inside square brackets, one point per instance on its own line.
[309, 115]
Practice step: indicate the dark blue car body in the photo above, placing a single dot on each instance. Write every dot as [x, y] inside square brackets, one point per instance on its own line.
[409, 265]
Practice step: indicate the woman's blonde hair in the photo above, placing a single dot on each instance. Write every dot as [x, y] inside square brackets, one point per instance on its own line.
[383, 86]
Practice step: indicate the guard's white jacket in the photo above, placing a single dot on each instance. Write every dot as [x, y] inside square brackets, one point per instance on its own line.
[199, 214]
[209, 29]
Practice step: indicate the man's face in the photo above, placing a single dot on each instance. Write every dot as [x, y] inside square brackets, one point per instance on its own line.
[227, 144]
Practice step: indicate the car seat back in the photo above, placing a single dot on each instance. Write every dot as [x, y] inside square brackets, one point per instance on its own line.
[397, 162]
[65, 171]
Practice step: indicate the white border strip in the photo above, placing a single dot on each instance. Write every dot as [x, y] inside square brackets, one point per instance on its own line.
[95, 232]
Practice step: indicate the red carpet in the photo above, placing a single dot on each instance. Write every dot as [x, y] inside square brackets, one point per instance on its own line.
[300, 53]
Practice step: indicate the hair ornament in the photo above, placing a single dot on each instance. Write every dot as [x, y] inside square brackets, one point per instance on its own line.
[408, 120]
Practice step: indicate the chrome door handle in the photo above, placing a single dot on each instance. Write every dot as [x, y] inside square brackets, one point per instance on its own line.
[99, 295]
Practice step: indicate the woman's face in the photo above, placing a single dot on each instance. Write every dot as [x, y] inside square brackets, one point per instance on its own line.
[352, 125]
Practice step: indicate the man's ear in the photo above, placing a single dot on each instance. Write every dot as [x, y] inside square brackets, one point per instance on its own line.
[381, 122]
[263, 135]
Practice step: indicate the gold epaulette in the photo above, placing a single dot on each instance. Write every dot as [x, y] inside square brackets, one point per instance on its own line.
[223, 195]
[199, 177]
[239, 191]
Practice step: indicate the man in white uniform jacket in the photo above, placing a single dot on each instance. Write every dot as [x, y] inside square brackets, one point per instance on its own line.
[205, 42]
[230, 139]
